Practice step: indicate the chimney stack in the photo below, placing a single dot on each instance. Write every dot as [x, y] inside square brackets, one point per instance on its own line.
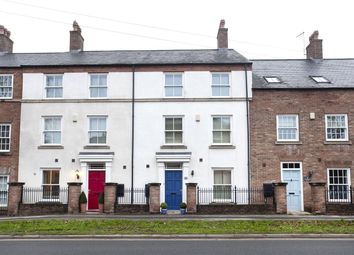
[222, 36]
[314, 49]
[76, 39]
[6, 44]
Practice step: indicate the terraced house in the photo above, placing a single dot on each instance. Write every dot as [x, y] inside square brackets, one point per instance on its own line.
[10, 109]
[302, 125]
[130, 117]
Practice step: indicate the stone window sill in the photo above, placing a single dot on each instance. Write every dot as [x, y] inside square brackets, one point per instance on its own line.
[173, 146]
[288, 143]
[5, 153]
[50, 147]
[221, 147]
[98, 147]
[337, 142]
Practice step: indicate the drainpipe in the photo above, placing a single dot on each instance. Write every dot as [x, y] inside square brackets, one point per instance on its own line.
[248, 135]
[133, 129]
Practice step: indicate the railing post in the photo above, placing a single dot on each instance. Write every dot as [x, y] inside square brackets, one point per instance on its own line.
[235, 195]
[191, 197]
[318, 197]
[198, 194]
[74, 191]
[110, 197]
[14, 198]
[351, 194]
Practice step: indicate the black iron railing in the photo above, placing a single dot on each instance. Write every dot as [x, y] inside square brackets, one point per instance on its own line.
[45, 194]
[340, 194]
[139, 196]
[231, 195]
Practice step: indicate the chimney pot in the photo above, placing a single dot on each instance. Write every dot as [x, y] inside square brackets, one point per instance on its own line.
[222, 37]
[6, 44]
[76, 39]
[314, 49]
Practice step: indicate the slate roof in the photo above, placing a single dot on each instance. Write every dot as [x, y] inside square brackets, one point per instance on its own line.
[295, 73]
[138, 57]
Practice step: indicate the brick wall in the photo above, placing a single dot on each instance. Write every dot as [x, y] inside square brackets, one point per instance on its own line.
[340, 209]
[10, 112]
[131, 209]
[235, 209]
[313, 152]
[43, 209]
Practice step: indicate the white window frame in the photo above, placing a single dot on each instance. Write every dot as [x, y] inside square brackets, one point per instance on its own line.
[337, 184]
[7, 189]
[221, 130]
[44, 131]
[219, 85]
[98, 86]
[346, 128]
[54, 87]
[297, 127]
[165, 131]
[174, 86]
[231, 199]
[51, 184]
[12, 86]
[10, 126]
[89, 131]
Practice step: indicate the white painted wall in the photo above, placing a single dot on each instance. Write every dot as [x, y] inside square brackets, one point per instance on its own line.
[149, 127]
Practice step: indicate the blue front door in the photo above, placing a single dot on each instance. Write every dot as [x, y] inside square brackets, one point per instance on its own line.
[293, 189]
[173, 189]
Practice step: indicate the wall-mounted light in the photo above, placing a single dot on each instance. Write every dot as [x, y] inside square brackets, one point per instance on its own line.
[310, 174]
[192, 172]
[77, 173]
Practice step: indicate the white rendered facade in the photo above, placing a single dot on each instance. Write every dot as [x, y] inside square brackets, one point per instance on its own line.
[196, 107]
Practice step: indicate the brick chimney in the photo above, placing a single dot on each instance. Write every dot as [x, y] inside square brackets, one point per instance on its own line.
[76, 39]
[6, 44]
[314, 49]
[222, 36]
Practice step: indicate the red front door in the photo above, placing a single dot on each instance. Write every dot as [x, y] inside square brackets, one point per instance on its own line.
[96, 183]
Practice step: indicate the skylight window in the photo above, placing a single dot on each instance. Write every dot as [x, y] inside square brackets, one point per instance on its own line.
[272, 79]
[320, 79]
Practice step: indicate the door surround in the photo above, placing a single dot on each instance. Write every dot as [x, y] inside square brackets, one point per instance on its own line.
[300, 181]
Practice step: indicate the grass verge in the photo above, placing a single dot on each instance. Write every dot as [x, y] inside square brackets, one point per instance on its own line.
[106, 227]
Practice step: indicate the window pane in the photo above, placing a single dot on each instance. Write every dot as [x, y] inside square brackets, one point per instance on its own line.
[94, 92]
[216, 123]
[169, 91]
[178, 137]
[46, 177]
[218, 177]
[168, 79]
[216, 91]
[101, 124]
[177, 123]
[216, 79]
[169, 124]
[224, 79]
[178, 79]
[94, 80]
[226, 123]
[177, 91]
[224, 91]
[168, 137]
[226, 137]
[217, 137]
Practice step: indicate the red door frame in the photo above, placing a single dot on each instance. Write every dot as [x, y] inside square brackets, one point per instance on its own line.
[96, 181]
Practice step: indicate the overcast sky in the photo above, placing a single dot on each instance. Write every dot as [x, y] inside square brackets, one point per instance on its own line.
[257, 28]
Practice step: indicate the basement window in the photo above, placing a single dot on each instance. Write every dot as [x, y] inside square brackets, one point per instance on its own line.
[272, 79]
[320, 79]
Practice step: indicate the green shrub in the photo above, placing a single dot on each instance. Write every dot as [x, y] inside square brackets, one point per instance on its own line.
[101, 198]
[183, 205]
[163, 205]
[82, 198]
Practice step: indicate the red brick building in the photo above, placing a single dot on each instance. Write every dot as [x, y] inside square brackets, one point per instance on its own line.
[10, 111]
[302, 125]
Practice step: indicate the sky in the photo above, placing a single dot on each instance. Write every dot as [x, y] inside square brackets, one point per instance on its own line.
[258, 29]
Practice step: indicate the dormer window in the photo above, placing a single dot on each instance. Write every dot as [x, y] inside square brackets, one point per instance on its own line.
[320, 79]
[272, 79]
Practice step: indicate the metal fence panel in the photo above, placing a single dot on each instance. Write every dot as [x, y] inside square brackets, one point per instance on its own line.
[230, 195]
[44, 195]
[341, 195]
[138, 196]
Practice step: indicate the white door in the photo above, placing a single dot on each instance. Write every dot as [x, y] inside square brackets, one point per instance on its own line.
[291, 174]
